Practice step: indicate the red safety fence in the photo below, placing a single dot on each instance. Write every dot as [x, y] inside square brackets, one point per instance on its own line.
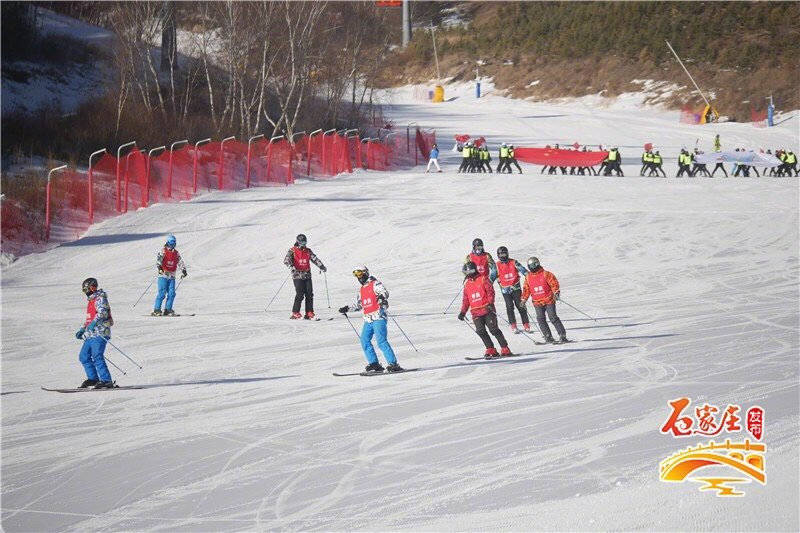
[558, 157]
[34, 212]
[758, 118]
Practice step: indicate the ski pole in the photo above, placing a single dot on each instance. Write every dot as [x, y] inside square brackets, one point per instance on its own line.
[114, 365]
[452, 301]
[328, 294]
[278, 291]
[404, 334]
[123, 353]
[575, 308]
[145, 292]
[509, 323]
[352, 326]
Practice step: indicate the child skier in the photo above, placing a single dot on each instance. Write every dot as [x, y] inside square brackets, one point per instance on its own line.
[168, 261]
[542, 286]
[95, 332]
[483, 261]
[373, 300]
[479, 299]
[299, 259]
[508, 276]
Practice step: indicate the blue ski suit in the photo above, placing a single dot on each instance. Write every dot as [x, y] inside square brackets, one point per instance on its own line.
[95, 332]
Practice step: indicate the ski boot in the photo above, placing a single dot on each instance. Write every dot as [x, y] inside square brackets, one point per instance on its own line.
[563, 339]
[394, 367]
[309, 315]
[104, 385]
[491, 353]
[549, 339]
[295, 316]
[88, 383]
[169, 312]
[374, 368]
[526, 327]
[514, 328]
[156, 312]
[505, 352]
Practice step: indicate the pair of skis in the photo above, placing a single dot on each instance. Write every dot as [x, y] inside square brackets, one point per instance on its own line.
[91, 389]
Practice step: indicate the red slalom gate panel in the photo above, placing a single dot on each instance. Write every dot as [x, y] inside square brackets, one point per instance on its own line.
[269, 163]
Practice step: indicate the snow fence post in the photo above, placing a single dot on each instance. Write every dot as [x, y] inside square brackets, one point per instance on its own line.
[386, 140]
[47, 202]
[221, 170]
[194, 166]
[291, 156]
[147, 174]
[308, 157]
[249, 145]
[169, 176]
[91, 185]
[119, 184]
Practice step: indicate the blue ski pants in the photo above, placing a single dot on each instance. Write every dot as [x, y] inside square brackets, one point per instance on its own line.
[91, 357]
[166, 287]
[378, 329]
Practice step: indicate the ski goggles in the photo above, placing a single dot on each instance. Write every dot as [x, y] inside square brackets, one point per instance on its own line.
[360, 273]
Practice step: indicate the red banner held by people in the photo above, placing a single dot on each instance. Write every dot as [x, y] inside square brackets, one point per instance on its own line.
[559, 157]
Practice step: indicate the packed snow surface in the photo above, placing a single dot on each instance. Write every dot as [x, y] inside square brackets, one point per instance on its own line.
[241, 426]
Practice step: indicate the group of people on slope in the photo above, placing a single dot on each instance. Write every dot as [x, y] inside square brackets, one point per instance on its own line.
[478, 159]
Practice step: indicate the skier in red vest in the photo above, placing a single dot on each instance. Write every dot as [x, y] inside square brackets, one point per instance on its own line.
[95, 332]
[479, 300]
[508, 276]
[168, 261]
[372, 301]
[483, 261]
[299, 259]
[543, 289]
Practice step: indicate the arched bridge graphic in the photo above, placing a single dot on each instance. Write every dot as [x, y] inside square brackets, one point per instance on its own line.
[680, 465]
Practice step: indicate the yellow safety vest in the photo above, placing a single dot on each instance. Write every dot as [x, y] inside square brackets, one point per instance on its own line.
[656, 159]
[612, 155]
[465, 152]
[511, 153]
[648, 157]
[791, 158]
[504, 151]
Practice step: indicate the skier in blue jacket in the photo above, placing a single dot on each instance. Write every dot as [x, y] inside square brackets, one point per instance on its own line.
[95, 332]
[373, 300]
[434, 159]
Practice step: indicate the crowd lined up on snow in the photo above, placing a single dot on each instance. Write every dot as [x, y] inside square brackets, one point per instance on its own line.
[517, 284]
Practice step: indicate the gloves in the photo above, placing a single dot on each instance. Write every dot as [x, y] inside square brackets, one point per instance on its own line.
[183, 273]
[344, 309]
[558, 295]
[461, 315]
[160, 271]
[79, 334]
[323, 268]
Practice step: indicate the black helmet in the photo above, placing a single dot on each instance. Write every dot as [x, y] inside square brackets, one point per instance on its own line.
[301, 240]
[502, 253]
[469, 269]
[533, 263]
[477, 245]
[361, 274]
[88, 286]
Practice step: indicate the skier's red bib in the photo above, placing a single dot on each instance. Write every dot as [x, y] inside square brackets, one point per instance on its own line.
[540, 289]
[302, 259]
[477, 294]
[507, 273]
[170, 261]
[481, 263]
[91, 312]
[369, 300]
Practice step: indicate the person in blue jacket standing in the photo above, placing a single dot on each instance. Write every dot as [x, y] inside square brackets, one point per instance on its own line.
[373, 301]
[95, 332]
[434, 159]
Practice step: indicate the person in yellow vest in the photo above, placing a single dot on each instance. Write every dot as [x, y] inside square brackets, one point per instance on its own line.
[485, 159]
[466, 152]
[647, 163]
[657, 162]
[684, 160]
[791, 163]
[502, 156]
[512, 159]
[614, 159]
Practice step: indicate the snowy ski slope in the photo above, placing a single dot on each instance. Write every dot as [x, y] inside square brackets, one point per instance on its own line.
[241, 426]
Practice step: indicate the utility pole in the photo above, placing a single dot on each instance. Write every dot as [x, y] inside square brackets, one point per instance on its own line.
[406, 24]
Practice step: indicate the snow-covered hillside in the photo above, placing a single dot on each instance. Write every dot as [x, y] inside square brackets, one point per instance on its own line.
[241, 426]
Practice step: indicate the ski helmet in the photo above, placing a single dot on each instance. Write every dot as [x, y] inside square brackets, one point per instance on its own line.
[477, 245]
[301, 240]
[88, 286]
[361, 274]
[533, 263]
[171, 241]
[469, 269]
[502, 253]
